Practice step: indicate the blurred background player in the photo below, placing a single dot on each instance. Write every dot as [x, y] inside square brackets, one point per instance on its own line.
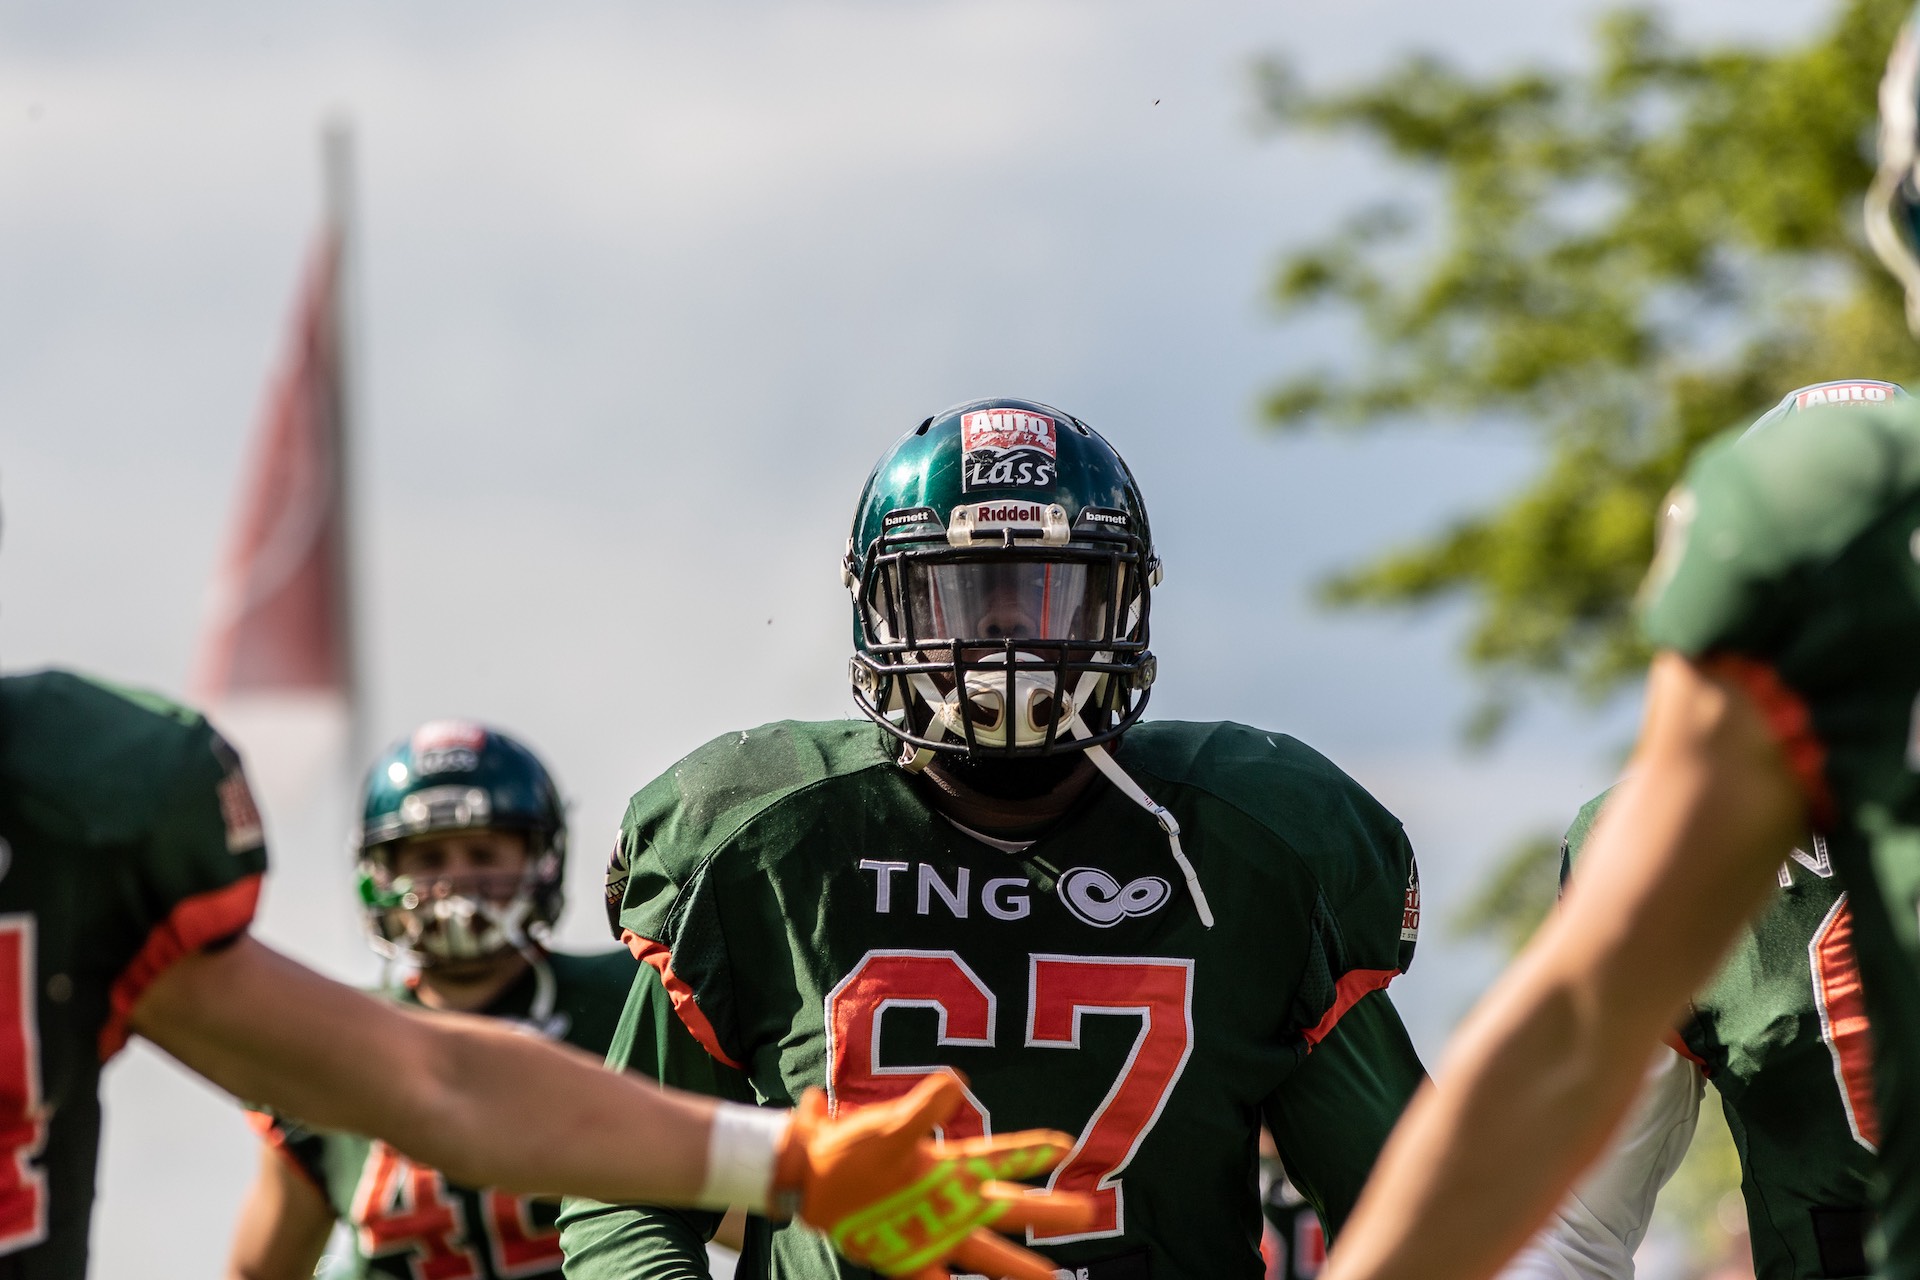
[462, 848]
[1780, 1034]
[133, 855]
[1784, 607]
[1153, 935]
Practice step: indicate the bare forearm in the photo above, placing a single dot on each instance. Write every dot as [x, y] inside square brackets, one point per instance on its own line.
[1449, 1167]
[573, 1126]
[1682, 856]
[470, 1096]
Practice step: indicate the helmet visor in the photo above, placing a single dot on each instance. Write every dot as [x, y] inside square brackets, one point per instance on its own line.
[1006, 600]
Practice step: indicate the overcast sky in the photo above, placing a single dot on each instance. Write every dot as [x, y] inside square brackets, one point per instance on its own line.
[643, 290]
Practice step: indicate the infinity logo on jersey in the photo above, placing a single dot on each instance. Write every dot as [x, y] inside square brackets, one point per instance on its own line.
[1096, 898]
[1007, 448]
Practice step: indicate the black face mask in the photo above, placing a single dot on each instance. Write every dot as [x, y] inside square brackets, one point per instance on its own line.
[1023, 779]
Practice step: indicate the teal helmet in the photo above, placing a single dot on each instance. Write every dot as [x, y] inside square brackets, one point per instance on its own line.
[456, 775]
[1893, 201]
[1001, 564]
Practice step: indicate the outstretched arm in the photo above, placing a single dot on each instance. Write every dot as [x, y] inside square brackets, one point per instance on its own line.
[490, 1106]
[1550, 1059]
[469, 1096]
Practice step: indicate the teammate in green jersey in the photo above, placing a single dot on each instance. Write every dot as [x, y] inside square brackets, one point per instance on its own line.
[1155, 936]
[130, 862]
[462, 857]
[1778, 1031]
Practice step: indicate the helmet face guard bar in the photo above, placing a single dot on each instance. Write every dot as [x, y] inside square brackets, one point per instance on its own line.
[1058, 622]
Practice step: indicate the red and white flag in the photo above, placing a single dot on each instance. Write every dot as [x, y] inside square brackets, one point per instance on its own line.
[276, 661]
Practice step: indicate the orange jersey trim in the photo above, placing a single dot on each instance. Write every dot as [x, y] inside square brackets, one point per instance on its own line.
[1674, 1041]
[685, 1007]
[1353, 984]
[263, 1124]
[1843, 1020]
[192, 926]
[1790, 721]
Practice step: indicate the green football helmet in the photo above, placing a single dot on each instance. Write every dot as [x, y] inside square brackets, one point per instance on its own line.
[456, 775]
[1001, 565]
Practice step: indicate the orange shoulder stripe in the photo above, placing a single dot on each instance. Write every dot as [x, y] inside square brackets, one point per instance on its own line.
[685, 1006]
[194, 924]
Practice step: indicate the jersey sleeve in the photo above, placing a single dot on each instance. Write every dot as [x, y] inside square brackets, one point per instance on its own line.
[1333, 1114]
[633, 1242]
[1760, 512]
[1362, 932]
[1303, 830]
[193, 883]
[1593, 1234]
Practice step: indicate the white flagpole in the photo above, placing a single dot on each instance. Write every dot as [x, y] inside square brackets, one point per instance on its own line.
[337, 161]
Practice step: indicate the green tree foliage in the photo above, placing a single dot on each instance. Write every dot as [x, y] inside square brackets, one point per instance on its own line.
[1516, 897]
[1624, 260]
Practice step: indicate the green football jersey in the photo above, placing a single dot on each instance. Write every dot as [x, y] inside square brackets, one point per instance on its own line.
[1791, 562]
[128, 840]
[806, 917]
[410, 1222]
[1781, 1035]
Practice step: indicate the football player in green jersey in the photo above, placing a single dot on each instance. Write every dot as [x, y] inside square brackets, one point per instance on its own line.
[462, 847]
[131, 857]
[1778, 1032]
[1784, 605]
[1152, 935]
[1788, 1053]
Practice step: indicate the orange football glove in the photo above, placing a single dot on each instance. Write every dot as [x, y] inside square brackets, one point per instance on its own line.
[892, 1199]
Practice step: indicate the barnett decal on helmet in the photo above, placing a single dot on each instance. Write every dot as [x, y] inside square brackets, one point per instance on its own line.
[1009, 447]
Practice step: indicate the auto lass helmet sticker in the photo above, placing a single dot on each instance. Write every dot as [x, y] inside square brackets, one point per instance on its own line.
[1008, 448]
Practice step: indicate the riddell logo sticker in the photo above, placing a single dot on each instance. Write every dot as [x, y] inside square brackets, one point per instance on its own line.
[1846, 393]
[1007, 448]
[1000, 515]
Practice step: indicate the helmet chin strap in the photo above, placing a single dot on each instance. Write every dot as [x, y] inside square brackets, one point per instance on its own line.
[948, 709]
[1106, 764]
[1099, 755]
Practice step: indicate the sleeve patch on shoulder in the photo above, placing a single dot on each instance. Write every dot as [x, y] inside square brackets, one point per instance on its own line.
[245, 831]
[1410, 913]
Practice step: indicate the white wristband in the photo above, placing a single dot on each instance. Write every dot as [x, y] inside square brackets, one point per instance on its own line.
[741, 1148]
